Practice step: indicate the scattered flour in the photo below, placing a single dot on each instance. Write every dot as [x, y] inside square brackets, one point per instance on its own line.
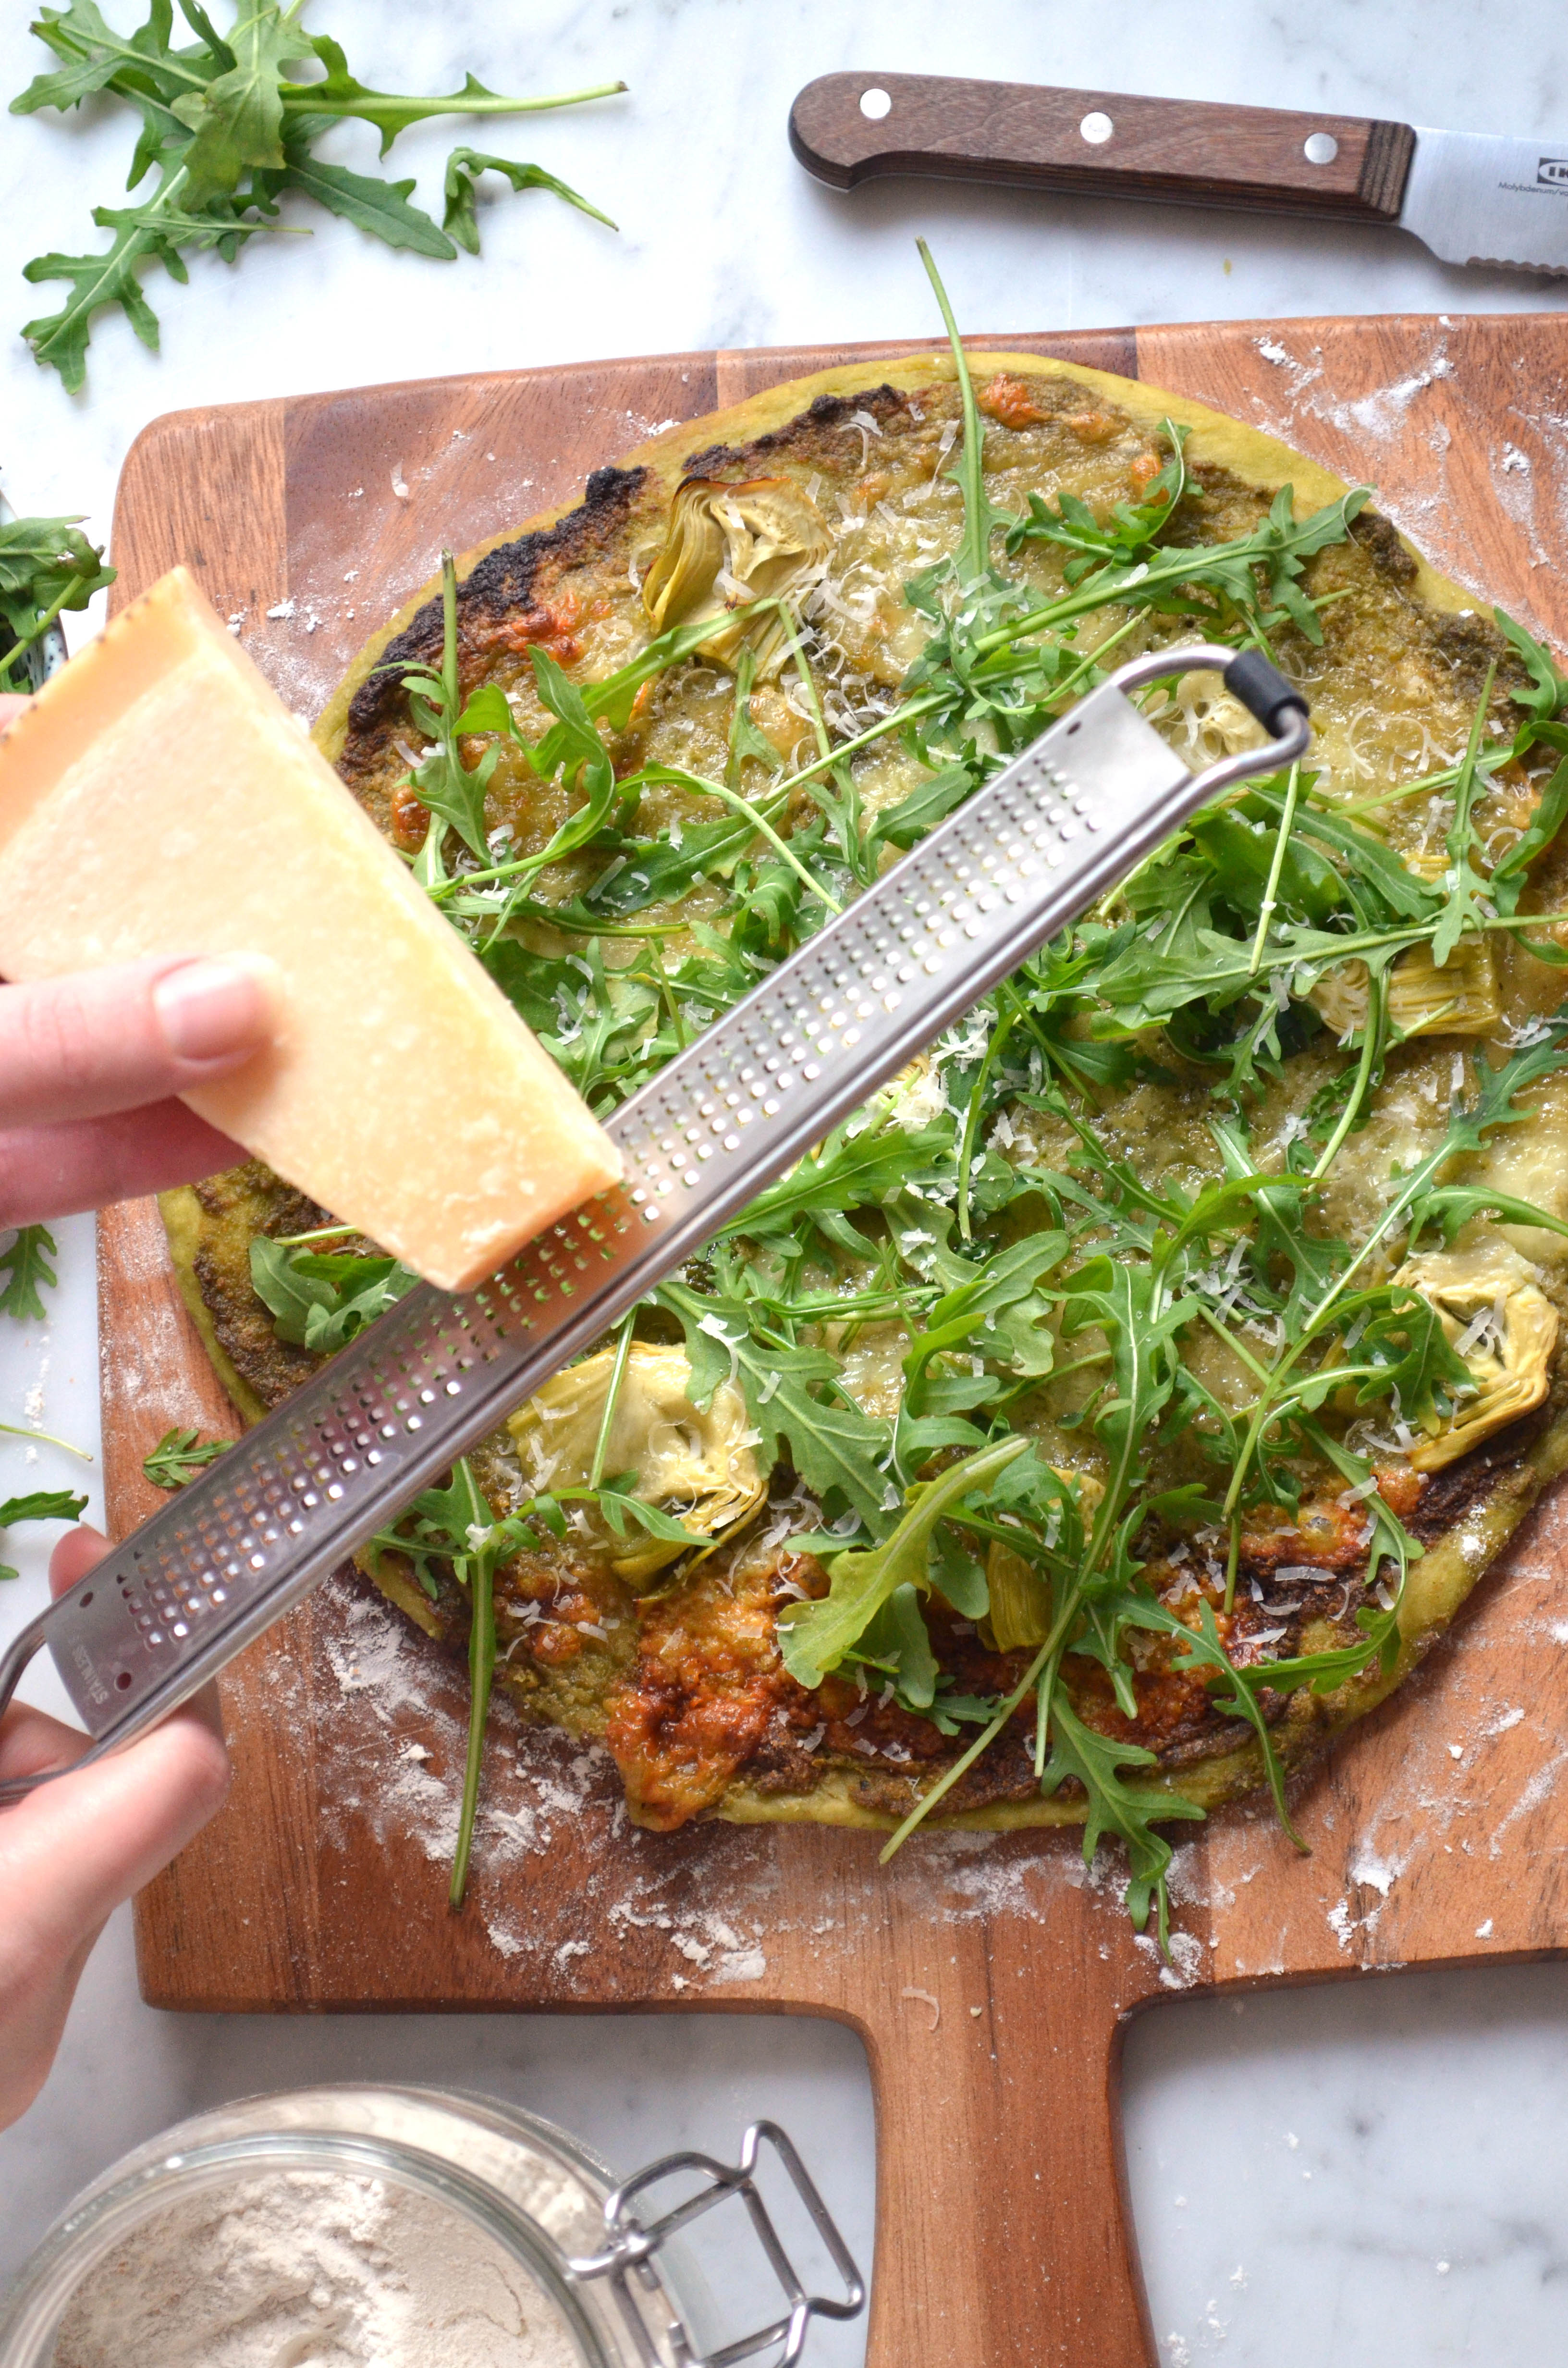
[312, 2270]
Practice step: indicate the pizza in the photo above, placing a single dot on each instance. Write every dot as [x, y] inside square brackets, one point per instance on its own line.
[1122, 1402]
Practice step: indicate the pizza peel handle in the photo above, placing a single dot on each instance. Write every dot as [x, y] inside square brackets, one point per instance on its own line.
[243, 1542]
[848, 128]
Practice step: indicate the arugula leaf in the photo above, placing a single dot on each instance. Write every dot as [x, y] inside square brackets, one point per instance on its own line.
[1243, 863]
[1368, 861]
[443, 783]
[94, 52]
[59, 340]
[1128, 1811]
[45, 568]
[839, 1451]
[476, 1569]
[338, 94]
[850, 1171]
[981, 518]
[1215, 581]
[1130, 1305]
[536, 984]
[814, 1637]
[176, 1458]
[1467, 884]
[1201, 1647]
[43, 1505]
[236, 118]
[1003, 1283]
[464, 167]
[1450, 1206]
[1125, 535]
[1507, 881]
[229, 131]
[26, 1261]
[320, 1302]
[617, 1502]
[1548, 694]
[901, 825]
[379, 207]
[747, 740]
[896, 1644]
[573, 748]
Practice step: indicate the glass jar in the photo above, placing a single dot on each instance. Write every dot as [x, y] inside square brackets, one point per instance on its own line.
[625, 2294]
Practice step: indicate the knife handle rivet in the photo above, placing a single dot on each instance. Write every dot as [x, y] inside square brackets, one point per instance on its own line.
[875, 104]
[1095, 129]
[1320, 147]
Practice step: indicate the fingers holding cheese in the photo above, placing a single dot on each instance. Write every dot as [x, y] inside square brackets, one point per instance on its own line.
[52, 1171]
[89, 1066]
[101, 1041]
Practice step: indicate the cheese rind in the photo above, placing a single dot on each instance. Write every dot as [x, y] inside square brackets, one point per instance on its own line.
[158, 799]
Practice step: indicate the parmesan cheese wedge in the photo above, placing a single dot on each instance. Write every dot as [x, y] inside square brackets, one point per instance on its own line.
[159, 798]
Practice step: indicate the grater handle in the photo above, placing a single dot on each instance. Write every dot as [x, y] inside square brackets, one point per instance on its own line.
[319, 1476]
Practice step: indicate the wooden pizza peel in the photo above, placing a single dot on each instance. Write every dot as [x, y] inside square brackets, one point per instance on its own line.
[989, 1978]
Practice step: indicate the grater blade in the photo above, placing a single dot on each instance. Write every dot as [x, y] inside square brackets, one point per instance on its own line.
[295, 1496]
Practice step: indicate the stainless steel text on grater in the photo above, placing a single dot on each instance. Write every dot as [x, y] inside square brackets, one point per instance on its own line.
[245, 1539]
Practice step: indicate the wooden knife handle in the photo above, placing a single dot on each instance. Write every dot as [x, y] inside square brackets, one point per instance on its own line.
[1102, 143]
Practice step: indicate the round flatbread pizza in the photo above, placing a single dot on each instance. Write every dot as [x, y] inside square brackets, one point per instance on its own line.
[1118, 1405]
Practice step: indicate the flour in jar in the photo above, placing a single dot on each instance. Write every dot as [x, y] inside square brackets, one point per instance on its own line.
[312, 2269]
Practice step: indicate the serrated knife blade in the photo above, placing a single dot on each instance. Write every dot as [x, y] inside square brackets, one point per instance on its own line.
[1476, 200]
[245, 1539]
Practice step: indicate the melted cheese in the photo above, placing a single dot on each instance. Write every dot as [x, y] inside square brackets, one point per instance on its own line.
[158, 799]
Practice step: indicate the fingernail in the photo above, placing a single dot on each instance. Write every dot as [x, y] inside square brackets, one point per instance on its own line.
[208, 1008]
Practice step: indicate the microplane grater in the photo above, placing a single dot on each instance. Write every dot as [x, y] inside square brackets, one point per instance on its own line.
[244, 1540]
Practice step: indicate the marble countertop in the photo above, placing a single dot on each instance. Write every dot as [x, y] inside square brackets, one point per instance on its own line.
[1372, 2171]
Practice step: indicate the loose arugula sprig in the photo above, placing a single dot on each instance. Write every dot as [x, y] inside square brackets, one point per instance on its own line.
[230, 132]
[43, 1505]
[457, 1525]
[27, 1263]
[176, 1459]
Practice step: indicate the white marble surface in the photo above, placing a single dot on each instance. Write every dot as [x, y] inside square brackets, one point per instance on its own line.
[1372, 2172]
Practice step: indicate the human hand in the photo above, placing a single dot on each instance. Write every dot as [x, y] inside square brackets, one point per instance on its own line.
[90, 1066]
[71, 1852]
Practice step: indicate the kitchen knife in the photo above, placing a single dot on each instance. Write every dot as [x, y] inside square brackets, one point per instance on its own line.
[1468, 195]
[245, 1539]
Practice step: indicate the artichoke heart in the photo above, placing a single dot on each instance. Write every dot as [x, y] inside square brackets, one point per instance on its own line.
[1021, 1607]
[1461, 999]
[698, 1467]
[1502, 1327]
[727, 547]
